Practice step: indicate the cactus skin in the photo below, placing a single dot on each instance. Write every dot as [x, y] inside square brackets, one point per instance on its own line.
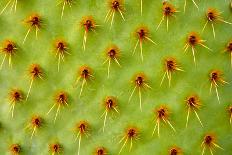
[194, 79]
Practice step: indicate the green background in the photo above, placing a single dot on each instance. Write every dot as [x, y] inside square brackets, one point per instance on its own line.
[214, 116]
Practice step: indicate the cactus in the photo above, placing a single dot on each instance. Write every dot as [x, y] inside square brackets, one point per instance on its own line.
[115, 77]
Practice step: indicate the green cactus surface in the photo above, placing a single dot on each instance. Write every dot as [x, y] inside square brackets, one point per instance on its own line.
[110, 77]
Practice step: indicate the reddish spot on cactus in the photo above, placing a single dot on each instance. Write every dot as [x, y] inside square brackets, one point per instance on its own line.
[193, 104]
[101, 151]
[168, 11]
[110, 105]
[112, 54]
[170, 66]
[61, 100]
[192, 41]
[15, 96]
[142, 34]
[88, 24]
[35, 72]
[175, 151]
[35, 123]
[82, 128]
[216, 78]
[210, 143]
[212, 16]
[9, 49]
[230, 113]
[64, 3]
[228, 49]
[131, 134]
[116, 6]
[84, 74]
[34, 22]
[140, 82]
[15, 149]
[61, 48]
[13, 6]
[162, 114]
[55, 148]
